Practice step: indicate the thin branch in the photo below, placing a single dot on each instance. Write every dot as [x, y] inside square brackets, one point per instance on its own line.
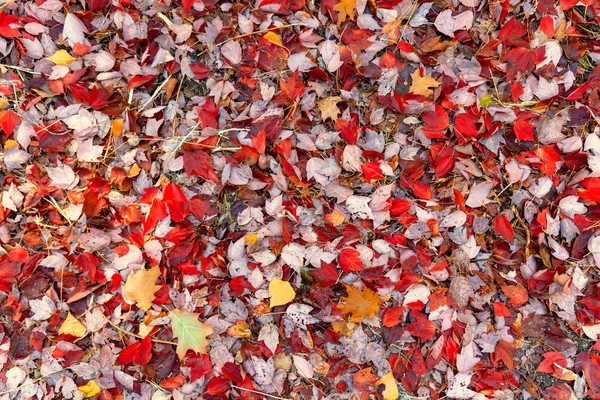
[257, 32]
[133, 334]
[261, 393]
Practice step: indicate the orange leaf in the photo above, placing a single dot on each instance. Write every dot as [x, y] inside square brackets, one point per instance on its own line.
[360, 303]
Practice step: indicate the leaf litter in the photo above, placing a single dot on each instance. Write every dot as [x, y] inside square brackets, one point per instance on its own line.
[330, 199]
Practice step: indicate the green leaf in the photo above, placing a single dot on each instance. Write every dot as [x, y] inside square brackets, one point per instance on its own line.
[190, 332]
[486, 100]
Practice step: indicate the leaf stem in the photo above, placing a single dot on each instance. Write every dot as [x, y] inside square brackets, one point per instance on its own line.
[133, 334]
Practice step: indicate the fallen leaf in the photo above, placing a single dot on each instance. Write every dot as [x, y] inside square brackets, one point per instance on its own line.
[90, 389]
[61, 57]
[391, 391]
[345, 9]
[71, 326]
[281, 292]
[422, 84]
[360, 303]
[190, 332]
[328, 108]
[141, 287]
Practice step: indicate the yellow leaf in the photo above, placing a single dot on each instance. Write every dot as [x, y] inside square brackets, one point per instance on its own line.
[3, 102]
[272, 36]
[134, 171]
[72, 327]
[328, 108]
[10, 143]
[61, 57]
[360, 303]
[141, 287]
[422, 84]
[251, 238]
[391, 387]
[281, 292]
[90, 389]
[345, 9]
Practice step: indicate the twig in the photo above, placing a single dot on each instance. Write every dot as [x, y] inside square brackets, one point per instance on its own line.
[257, 32]
[261, 393]
[133, 334]
[155, 94]
[27, 70]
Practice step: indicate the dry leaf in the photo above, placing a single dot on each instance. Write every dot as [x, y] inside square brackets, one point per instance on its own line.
[328, 108]
[281, 292]
[61, 57]
[141, 287]
[360, 303]
[71, 326]
[422, 84]
[90, 389]
[345, 9]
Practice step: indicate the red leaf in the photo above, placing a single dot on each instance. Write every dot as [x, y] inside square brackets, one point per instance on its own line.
[158, 212]
[568, 4]
[516, 294]
[391, 316]
[516, 90]
[200, 70]
[9, 24]
[523, 130]
[96, 5]
[138, 81]
[202, 206]
[259, 141]
[589, 363]
[173, 382]
[349, 260]
[177, 202]
[422, 327]
[200, 366]
[549, 156]
[518, 61]
[551, 358]
[513, 33]
[8, 121]
[8, 273]
[501, 310]
[198, 163]
[98, 98]
[400, 207]
[325, 276]
[503, 228]
[465, 126]
[290, 90]
[437, 120]
[422, 191]
[218, 386]
[372, 171]
[348, 129]
[138, 353]
[443, 166]
[547, 25]
[207, 115]
[504, 352]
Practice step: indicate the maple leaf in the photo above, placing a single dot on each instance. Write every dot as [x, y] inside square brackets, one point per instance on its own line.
[198, 163]
[360, 303]
[345, 9]
[328, 108]
[141, 287]
[190, 332]
[422, 84]
[290, 90]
